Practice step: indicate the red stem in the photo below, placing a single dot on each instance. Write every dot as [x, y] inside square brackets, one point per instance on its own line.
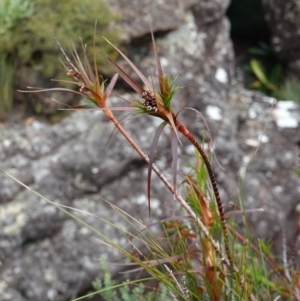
[191, 138]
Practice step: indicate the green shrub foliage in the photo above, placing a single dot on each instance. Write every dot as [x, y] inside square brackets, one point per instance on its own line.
[27, 28]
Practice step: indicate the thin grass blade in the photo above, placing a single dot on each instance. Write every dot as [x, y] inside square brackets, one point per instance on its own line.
[204, 121]
[88, 66]
[111, 85]
[151, 158]
[97, 108]
[173, 125]
[65, 55]
[174, 144]
[138, 72]
[130, 81]
[81, 68]
[52, 89]
[157, 60]
[95, 61]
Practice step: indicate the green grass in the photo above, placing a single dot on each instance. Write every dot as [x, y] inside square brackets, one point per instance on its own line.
[289, 90]
[27, 28]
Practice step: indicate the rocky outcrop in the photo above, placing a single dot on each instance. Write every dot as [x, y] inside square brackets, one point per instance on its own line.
[135, 15]
[284, 22]
[79, 163]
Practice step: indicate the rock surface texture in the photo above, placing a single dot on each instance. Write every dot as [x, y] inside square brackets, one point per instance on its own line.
[284, 20]
[46, 255]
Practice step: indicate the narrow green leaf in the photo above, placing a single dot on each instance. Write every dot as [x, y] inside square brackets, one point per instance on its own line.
[257, 51]
[259, 71]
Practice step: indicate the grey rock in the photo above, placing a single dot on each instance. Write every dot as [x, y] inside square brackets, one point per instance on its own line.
[284, 22]
[209, 11]
[268, 143]
[42, 251]
[135, 15]
[45, 254]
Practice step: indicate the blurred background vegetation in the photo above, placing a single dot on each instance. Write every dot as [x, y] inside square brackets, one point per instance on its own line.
[262, 69]
[27, 49]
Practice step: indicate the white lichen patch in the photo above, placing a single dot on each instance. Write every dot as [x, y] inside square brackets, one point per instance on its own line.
[221, 76]
[283, 116]
[155, 203]
[186, 38]
[95, 170]
[140, 200]
[13, 218]
[50, 275]
[37, 125]
[270, 100]
[244, 166]
[87, 263]
[5, 295]
[84, 231]
[277, 189]
[69, 230]
[214, 112]
[51, 294]
[252, 113]
[15, 228]
[6, 143]
[264, 139]
[143, 200]
[190, 150]
[164, 62]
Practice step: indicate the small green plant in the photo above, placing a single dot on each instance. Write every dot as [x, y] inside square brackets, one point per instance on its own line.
[266, 82]
[269, 77]
[127, 291]
[268, 73]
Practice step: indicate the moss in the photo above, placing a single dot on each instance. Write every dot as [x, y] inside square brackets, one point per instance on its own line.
[63, 20]
[27, 35]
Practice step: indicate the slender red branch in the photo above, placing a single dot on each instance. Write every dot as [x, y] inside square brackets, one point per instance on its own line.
[191, 138]
[171, 188]
[294, 242]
